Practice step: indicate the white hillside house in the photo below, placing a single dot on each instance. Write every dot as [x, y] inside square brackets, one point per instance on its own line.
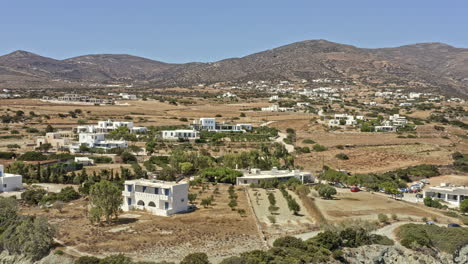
[398, 120]
[108, 126]
[187, 134]
[158, 197]
[453, 195]
[97, 140]
[255, 176]
[10, 182]
[210, 124]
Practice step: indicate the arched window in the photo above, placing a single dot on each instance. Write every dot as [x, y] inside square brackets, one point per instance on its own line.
[141, 203]
[152, 204]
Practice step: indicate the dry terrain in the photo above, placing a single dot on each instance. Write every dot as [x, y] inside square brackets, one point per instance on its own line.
[367, 205]
[216, 230]
[282, 222]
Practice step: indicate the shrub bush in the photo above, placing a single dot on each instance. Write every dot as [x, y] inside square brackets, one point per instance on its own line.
[342, 156]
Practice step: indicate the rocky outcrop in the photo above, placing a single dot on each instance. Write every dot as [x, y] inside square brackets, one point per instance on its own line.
[6, 258]
[378, 254]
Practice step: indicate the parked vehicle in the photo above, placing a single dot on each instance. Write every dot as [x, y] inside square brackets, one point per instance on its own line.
[430, 223]
[453, 225]
[419, 195]
[355, 189]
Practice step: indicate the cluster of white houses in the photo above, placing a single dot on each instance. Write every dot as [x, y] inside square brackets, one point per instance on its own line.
[390, 125]
[77, 99]
[344, 119]
[92, 136]
[10, 182]
[277, 108]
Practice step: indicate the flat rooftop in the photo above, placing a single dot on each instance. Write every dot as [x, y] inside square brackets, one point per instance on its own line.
[154, 183]
[458, 190]
[258, 174]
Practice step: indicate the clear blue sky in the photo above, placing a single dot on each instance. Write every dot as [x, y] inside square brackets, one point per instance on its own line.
[199, 30]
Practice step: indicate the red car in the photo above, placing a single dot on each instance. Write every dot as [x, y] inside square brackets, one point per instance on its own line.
[355, 189]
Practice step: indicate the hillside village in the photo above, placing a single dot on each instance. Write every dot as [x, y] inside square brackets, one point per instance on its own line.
[226, 169]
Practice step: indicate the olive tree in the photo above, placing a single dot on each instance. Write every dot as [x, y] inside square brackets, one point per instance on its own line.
[106, 196]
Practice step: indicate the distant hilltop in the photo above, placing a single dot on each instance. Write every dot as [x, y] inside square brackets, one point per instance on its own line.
[433, 67]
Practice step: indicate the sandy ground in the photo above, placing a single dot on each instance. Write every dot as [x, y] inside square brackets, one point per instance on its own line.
[366, 206]
[452, 179]
[286, 223]
[217, 231]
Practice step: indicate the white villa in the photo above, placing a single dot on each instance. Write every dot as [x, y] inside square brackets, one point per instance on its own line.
[188, 134]
[349, 120]
[10, 182]
[398, 120]
[256, 175]
[385, 128]
[108, 126]
[86, 161]
[277, 108]
[210, 124]
[453, 195]
[97, 140]
[158, 197]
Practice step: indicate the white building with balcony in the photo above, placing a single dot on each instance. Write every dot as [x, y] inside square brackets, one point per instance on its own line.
[108, 126]
[210, 124]
[186, 134]
[398, 120]
[453, 195]
[10, 182]
[158, 197]
[97, 140]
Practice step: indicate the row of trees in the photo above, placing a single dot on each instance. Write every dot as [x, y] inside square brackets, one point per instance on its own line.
[292, 203]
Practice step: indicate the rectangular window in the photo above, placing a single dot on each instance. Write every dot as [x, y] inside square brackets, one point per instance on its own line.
[130, 188]
[166, 205]
[166, 192]
[156, 190]
[129, 201]
[144, 188]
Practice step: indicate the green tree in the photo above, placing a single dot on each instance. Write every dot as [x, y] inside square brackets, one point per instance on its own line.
[232, 204]
[87, 260]
[293, 206]
[383, 218]
[205, 202]
[106, 196]
[150, 147]
[33, 196]
[116, 259]
[195, 258]
[32, 236]
[464, 206]
[326, 191]
[49, 129]
[192, 197]
[128, 157]
[186, 168]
